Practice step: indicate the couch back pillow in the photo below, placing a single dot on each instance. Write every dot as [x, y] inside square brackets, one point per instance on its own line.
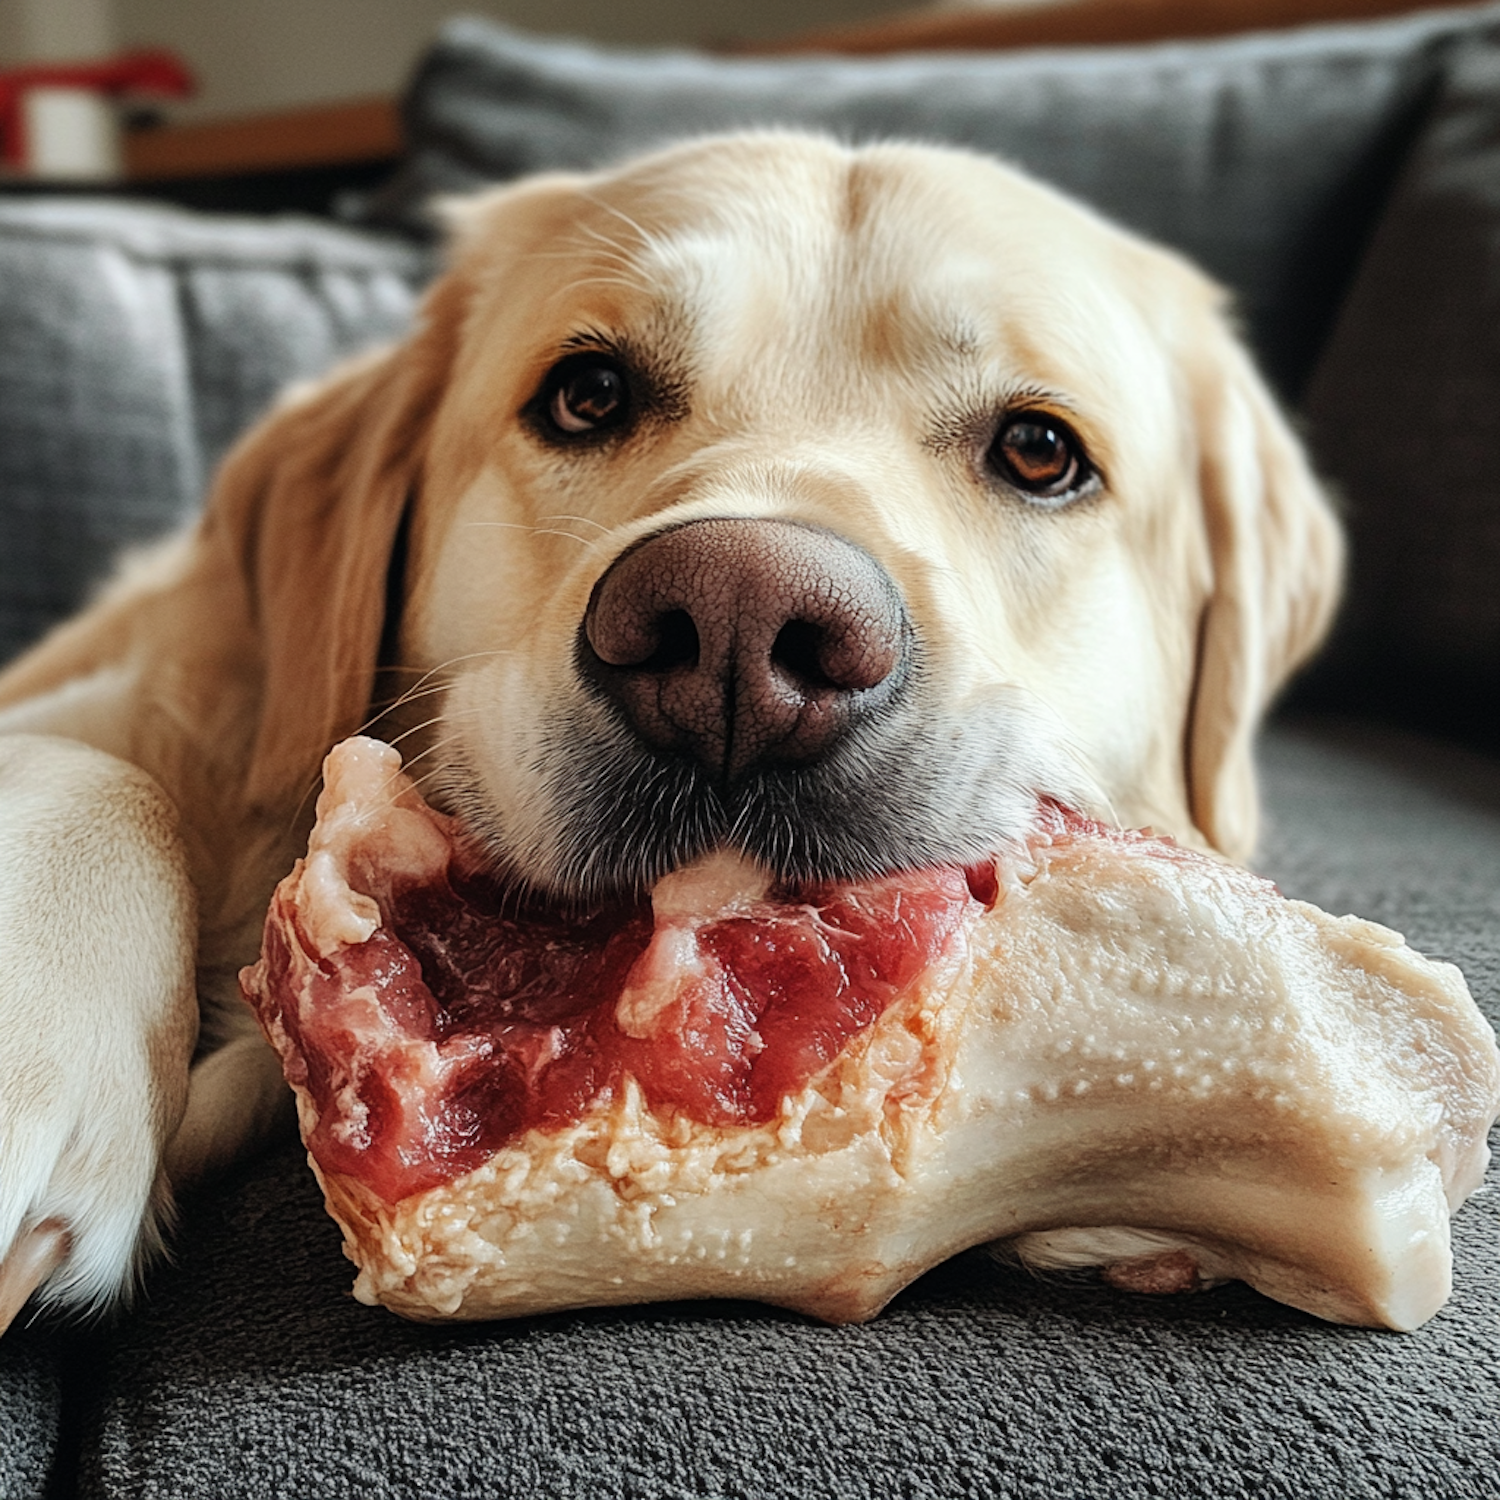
[1404, 417]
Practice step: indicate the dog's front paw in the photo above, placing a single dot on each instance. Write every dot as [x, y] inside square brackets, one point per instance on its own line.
[97, 1019]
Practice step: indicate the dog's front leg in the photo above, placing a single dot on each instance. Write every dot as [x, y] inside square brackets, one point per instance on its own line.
[98, 1015]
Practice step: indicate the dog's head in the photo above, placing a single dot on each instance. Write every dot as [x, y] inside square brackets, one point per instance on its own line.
[832, 504]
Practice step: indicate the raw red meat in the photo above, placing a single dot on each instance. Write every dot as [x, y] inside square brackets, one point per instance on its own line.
[461, 1022]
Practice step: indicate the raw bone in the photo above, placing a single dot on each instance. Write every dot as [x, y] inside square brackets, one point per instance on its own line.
[1135, 1038]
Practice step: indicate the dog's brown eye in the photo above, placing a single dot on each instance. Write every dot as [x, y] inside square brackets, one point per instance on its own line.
[1038, 454]
[585, 393]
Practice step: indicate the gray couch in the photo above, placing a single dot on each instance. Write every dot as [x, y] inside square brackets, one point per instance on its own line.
[1345, 182]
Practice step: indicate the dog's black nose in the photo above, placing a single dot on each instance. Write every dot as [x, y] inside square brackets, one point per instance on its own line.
[745, 642]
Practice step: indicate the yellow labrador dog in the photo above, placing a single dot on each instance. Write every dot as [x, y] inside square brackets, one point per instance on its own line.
[832, 504]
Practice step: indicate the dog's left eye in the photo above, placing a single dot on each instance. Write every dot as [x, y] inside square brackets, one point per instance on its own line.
[1038, 454]
[585, 393]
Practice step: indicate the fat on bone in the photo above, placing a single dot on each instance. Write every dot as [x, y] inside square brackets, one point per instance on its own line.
[1140, 1057]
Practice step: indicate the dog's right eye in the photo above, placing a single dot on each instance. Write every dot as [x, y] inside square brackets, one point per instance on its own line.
[584, 393]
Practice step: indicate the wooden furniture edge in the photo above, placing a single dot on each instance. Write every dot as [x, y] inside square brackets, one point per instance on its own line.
[313, 136]
[1082, 23]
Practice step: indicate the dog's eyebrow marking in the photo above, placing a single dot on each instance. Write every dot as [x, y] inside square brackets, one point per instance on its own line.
[630, 284]
[614, 267]
[646, 238]
[611, 258]
[613, 246]
[961, 338]
[614, 252]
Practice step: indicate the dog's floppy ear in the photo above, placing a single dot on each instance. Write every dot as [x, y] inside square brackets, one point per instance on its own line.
[308, 506]
[1277, 564]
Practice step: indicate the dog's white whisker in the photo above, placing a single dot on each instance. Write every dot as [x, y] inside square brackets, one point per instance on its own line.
[403, 700]
[582, 541]
[619, 213]
[406, 766]
[582, 520]
[432, 672]
[400, 739]
[448, 716]
[615, 278]
[621, 257]
[423, 687]
[536, 531]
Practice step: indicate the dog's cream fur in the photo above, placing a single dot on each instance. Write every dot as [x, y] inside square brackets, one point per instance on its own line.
[837, 322]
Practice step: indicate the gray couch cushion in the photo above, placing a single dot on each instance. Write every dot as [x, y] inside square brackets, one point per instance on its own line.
[1404, 414]
[135, 344]
[30, 1411]
[1265, 158]
[251, 1372]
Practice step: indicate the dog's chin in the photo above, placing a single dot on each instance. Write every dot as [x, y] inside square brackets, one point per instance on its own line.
[608, 819]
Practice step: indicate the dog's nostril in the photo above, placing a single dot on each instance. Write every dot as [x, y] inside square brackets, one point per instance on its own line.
[854, 651]
[676, 643]
[799, 649]
[623, 634]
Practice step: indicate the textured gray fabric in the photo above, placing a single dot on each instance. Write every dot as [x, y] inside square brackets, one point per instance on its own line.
[135, 343]
[252, 1373]
[1404, 414]
[30, 1411]
[1265, 158]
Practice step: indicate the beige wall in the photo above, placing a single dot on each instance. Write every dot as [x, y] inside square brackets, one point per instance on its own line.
[55, 30]
[255, 55]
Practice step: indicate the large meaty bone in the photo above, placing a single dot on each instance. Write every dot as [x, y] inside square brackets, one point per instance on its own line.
[1134, 1038]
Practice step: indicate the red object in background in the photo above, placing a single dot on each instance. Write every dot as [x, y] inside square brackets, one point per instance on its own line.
[155, 73]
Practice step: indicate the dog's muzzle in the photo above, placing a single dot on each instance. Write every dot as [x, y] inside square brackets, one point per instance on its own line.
[745, 644]
[758, 684]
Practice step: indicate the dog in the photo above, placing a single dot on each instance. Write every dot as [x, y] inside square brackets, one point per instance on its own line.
[833, 504]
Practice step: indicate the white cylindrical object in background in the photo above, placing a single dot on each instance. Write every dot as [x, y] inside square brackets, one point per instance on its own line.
[72, 133]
